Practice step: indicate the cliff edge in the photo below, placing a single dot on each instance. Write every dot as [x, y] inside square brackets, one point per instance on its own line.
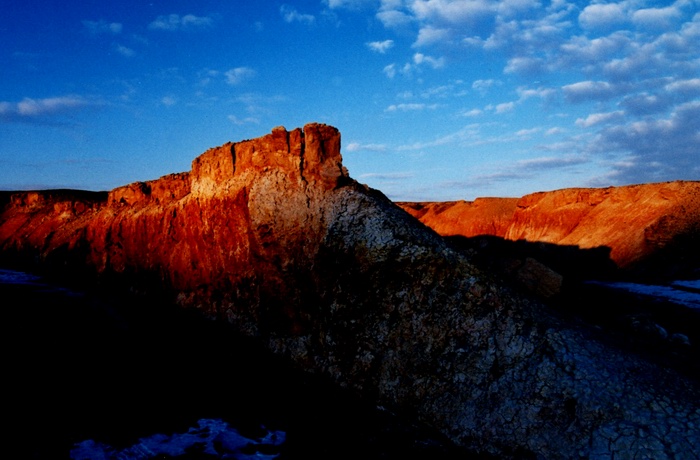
[272, 236]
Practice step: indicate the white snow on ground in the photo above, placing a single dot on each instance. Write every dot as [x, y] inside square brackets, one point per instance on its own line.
[27, 279]
[210, 437]
[693, 284]
[14, 277]
[669, 293]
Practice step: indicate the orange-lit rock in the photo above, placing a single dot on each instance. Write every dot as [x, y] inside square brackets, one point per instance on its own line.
[483, 216]
[272, 236]
[636, 222]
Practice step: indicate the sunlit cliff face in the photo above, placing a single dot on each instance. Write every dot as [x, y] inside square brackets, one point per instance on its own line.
[272, 236]
[632, 222]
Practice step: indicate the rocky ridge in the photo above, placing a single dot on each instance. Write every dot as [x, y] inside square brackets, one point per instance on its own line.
[272, 236]
[641, 226]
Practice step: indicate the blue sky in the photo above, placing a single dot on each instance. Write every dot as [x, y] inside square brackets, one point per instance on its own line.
[435, 99]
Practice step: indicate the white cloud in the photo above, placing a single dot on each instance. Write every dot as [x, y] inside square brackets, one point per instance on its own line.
[358, 147]
[168, 101]
[435, 63]
[242, 121]
[466, 13]
[381, 47]
[483, 85]
[588, 90]
[419, 60]
[37, 107]
[543, 163]
[655, 149]
[524, 65]
[644, 103]
[390, 70]
[349, 4]
[125, 51]
[600, 118]
[431, 35]
[527, 132]
[487, 180]
[103, 27]
[387, 176]
[689, 87]
[290, 14]
[630, 59]
[467, 134]
[602, 15]
[38, 110]
[443, 91]
[190, 20]
[410, 107]
[538, 37]
[505, 107]
[524, 170]
[175, 22]
[644, 62]
[509, 8]
[542, 93]
[394, 19]
[580, 50]
[238, 75]
[472, 113]
[6, 108]
[391, 4]
[659, 18]
[554, 131]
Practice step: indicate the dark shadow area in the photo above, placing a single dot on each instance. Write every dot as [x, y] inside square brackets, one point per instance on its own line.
[5, 198]
[503, 256]
[110, 367]
[665, 332]
[672, 259]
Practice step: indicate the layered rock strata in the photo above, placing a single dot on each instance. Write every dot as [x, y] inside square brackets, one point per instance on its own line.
[272, 236]
[648, 227]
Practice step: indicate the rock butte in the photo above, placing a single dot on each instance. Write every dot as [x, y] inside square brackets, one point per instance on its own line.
[272, 236]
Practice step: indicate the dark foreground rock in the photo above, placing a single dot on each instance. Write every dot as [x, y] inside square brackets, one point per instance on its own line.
[272, 236]
[108, 375]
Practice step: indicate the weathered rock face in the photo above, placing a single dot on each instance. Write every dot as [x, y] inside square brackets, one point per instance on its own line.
[272, 236]
[639, 224]
[483, 216]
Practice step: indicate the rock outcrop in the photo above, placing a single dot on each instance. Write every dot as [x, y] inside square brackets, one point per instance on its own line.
[648, 228]
[272, 236]
[483, 216]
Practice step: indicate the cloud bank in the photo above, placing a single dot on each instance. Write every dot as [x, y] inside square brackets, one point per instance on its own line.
[624, 73]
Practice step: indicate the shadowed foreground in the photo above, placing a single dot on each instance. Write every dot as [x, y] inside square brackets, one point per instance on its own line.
[272, 236]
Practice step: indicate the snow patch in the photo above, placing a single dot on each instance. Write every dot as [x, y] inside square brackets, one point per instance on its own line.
[210, 437]
[686, 293]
